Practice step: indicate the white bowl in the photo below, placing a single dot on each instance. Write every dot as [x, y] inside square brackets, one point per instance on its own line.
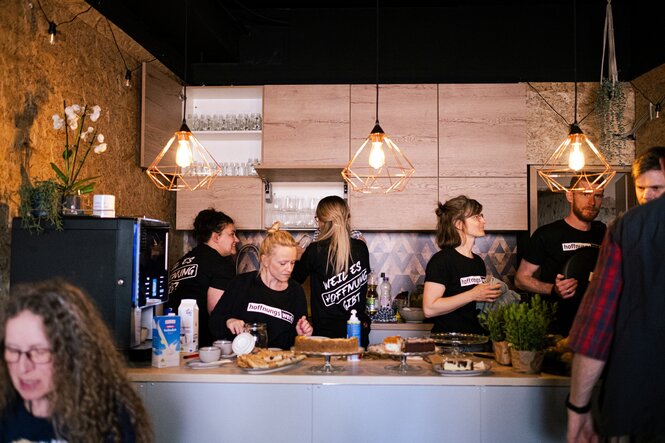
[243, 343]
[224, 345]
[209, 354]
[412, 315]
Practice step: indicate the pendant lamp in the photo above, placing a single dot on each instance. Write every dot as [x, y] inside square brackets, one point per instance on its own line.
[379, 166]
[576, 159]
[183, 163]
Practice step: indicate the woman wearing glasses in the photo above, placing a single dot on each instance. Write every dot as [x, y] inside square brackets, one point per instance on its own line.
[454, 276]
[61, 378]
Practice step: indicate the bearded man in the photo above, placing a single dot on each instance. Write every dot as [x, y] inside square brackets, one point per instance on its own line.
[553, 244]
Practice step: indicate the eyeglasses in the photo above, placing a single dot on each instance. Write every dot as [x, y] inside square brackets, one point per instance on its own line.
[478, 217]
[35, 355]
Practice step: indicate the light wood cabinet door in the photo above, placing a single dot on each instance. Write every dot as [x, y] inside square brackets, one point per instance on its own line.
[241, 198]
[408, 115]
[482, 130]
[306, 125]
[409, 210]
[504, 200]
[161, 111]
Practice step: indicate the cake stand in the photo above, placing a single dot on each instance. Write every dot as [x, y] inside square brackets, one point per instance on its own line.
[327, 367]
[457, 339]
[402, 367]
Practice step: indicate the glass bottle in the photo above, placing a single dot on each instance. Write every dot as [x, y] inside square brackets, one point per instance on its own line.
[372, 296]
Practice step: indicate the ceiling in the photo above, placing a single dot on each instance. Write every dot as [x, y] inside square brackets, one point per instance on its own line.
[252, 42]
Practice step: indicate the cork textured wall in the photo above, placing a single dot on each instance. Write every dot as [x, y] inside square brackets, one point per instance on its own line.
[651, 87]
[82, 67]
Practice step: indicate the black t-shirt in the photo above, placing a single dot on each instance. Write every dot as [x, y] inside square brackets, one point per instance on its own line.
[17, 424]
[333, 296]
[247, 298]
[458, 274]
[199, 269]
[550, 247]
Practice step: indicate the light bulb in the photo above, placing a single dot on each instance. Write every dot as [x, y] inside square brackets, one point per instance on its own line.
[51, 32]
[128, 78]
[183, 155]
[576, 159]
[377, 158]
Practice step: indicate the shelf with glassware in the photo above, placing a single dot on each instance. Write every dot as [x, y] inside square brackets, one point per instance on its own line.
[294, 204]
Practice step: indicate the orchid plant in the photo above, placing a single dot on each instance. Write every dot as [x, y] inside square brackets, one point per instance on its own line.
[76, 153]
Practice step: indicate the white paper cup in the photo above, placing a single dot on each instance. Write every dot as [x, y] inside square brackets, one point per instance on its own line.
[103, 205]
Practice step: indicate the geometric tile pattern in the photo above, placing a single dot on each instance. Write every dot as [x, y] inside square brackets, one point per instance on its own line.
[404, 256]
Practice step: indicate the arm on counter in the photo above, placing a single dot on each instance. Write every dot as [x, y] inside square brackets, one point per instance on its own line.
[434, 303]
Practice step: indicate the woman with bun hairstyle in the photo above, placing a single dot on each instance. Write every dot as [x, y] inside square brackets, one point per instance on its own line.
[61, 378]
[268, 296]
[338, 266]
[454, 276]
[205, 271]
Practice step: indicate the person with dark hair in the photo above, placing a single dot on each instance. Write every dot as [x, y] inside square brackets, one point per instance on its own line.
[204, 272]
[648, 178]
[268, 296]
[618, 335]
[61, 378]
[338, 266]
[454, 277]
[552, 245]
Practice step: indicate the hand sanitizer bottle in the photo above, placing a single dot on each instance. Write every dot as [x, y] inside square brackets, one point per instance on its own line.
[353, 330]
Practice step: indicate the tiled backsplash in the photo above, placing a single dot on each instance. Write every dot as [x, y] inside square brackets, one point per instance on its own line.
[404, 256]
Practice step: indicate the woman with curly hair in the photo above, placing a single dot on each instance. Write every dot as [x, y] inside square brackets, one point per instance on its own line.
[61, 378]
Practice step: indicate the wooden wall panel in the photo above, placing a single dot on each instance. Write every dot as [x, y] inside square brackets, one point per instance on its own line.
[409, 210]
[239, 197]
[306, 125]
[408, 114]
[482, 130]
[504, 200]
[161, 112]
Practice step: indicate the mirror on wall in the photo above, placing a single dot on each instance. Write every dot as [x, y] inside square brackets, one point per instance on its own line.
[546, 206]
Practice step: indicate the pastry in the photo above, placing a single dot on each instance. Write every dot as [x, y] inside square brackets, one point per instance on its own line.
[394, 343]
[267, 359]
[326, 345]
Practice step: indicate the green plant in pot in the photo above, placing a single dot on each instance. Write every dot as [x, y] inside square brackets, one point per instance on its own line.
[526, 331]
[494, 321]
[40, 202]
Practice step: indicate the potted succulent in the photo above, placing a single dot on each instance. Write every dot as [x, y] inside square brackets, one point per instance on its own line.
[495, 322]
[40, 202]
[526, 331]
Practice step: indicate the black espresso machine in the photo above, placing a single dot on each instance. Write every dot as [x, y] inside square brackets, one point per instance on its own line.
[121, 263]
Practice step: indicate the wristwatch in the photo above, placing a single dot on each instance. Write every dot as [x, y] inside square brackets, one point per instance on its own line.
[577, 409]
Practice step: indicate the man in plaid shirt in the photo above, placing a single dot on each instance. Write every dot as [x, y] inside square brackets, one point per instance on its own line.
[619, 333]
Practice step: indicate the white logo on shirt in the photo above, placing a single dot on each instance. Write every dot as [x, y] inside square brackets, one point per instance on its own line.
[574, 246]
[345, 290]
[271, 311]
[470, 280]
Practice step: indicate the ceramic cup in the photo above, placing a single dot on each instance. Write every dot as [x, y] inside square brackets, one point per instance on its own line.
[243, 343]
[209, 354]
[224, 345]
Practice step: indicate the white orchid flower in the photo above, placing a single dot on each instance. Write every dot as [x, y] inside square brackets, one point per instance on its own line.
[73, 123]
[69, 111]
[100, 138]
[58, 122]
[84, 135]
[76, 108]
[100, 148]
[96, 112]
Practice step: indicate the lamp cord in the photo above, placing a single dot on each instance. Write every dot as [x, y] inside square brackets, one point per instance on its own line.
[575, 55]
[184, 99]
[377, 62]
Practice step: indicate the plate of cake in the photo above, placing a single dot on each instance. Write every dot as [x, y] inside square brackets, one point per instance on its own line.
[397, 345]
[264, 361]
[462, 367]
[317, 345]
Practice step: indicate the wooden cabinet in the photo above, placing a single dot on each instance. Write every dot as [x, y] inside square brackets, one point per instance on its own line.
[409, 210]
[239, 197]
[306, 125]
[482, 150]
[408, 115]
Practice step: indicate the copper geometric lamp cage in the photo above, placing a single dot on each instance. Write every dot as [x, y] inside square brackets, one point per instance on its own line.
[576, 159]
[379, 166]
[188, 165]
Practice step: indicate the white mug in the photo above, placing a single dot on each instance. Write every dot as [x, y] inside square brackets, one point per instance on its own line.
[103, 205]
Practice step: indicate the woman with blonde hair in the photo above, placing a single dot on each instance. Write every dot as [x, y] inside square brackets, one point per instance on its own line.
[454, 277]
[268, 296]
[338, 266]
[61, 377]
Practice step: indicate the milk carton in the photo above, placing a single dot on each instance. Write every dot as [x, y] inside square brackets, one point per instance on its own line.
[189, 331]
[165, 341]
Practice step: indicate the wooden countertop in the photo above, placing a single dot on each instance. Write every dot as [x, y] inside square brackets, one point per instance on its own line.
[365, 372]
